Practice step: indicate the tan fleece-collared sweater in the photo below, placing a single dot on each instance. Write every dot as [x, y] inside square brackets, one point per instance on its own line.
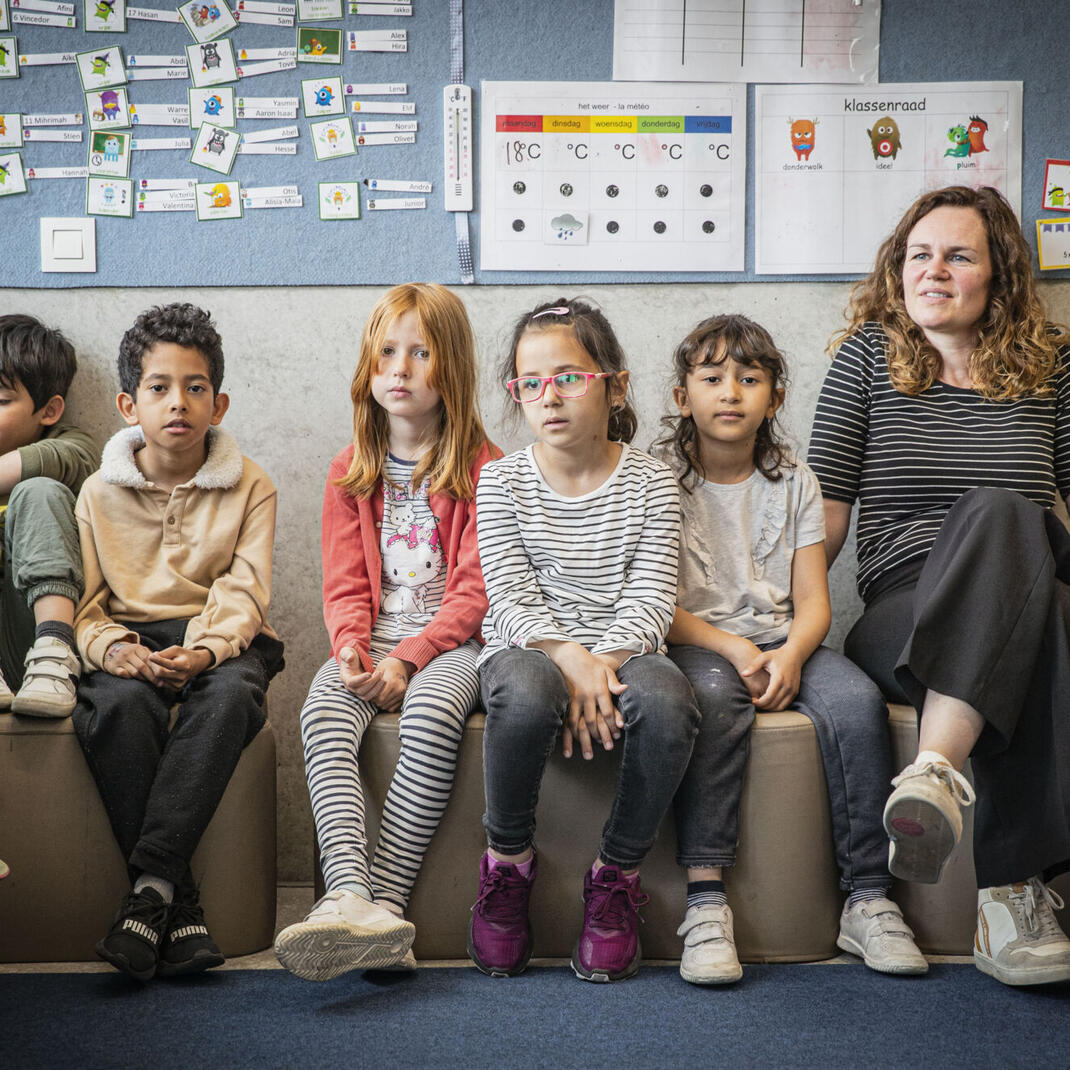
[201, 552]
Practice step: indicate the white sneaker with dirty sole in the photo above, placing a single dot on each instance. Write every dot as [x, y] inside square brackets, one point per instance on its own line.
[1019, 940]
[344, 932]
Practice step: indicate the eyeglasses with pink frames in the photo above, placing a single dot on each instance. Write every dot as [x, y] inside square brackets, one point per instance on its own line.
[566, 385]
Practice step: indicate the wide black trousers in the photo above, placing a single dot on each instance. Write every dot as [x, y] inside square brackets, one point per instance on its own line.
[986, 619]
[161, 787]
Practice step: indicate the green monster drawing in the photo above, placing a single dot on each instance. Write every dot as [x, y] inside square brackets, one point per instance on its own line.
[960, 141]
[1057, 196]
[100, 65]
[105, 8]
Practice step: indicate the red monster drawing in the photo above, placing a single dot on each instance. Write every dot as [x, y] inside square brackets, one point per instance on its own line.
[978, 129]
[802, 137]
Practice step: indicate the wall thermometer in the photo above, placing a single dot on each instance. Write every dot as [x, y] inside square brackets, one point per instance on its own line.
[457, 147]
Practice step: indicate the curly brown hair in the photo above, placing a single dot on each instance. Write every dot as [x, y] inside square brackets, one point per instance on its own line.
[712, 342]
[1017, 349]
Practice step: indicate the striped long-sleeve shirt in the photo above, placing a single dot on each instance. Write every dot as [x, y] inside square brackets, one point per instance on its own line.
[908, 458]
[599, 569]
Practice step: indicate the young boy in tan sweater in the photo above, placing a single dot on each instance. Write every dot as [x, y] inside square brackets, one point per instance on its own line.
[176, 533]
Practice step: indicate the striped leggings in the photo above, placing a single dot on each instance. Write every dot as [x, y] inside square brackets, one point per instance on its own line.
[333, 720]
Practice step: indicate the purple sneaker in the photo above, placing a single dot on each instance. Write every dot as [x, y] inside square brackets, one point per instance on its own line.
[608, 947]
[499, 934]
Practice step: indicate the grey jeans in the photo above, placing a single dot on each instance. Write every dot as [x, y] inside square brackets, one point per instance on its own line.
[851, 720]
[41, 557]
[525, 699]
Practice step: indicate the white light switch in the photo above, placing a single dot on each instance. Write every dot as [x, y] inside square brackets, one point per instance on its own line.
[68, 245]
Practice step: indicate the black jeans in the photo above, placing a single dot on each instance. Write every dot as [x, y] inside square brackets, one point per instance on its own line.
[525, 698]
[159, 787]
[987, 621]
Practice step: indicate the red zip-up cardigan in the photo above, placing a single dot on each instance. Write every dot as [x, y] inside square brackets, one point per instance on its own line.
[353, 569]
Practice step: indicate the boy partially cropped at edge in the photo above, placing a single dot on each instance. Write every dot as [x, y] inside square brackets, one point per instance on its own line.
[177, 530]
[43, 462]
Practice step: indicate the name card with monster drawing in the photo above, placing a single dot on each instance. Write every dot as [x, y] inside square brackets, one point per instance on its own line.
[835, 167]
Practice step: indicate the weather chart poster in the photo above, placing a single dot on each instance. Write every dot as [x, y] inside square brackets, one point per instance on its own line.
[613, 176]
[835, 168]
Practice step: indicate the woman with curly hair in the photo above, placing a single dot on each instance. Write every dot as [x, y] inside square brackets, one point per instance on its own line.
[946, 415]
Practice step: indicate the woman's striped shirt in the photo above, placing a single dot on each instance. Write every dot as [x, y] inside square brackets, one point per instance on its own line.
[599, 569]
[908, 458]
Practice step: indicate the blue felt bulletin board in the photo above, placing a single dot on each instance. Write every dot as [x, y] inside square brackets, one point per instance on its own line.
[562, 40]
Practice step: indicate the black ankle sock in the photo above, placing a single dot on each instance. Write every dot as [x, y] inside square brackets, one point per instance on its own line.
[57, 630]
[705, 893]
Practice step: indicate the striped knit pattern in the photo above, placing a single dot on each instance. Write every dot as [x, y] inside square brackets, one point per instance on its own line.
[599, 569]
[333, 720]
[908, 459]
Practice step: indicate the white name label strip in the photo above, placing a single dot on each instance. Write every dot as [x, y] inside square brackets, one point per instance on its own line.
[386, 139]
[397, 185]
[376, 89]
[156, 184]
[74, 118]
[383, 107]
[270, 148]
[277, 133]
[25, 18]
[44, 5]
[358, 42]
[156, 74]
[249, 70]
[264, 20]
[156, 61]
[388, 126]
[29, 134]
[383, 204]
[266, 53]
[46, 59]
[152, 14]
[147, 144]
[266, 9]
[57, 172]
[359, 7]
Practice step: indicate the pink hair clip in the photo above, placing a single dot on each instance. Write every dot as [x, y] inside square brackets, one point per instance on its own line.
[557, 310]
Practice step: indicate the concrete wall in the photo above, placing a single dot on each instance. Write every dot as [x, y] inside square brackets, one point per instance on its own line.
[290, 355]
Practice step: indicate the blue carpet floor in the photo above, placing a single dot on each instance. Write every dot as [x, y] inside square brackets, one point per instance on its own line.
[826, 1016]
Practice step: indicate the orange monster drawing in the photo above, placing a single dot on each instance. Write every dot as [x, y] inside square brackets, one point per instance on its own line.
[977, 130]
[802, 137]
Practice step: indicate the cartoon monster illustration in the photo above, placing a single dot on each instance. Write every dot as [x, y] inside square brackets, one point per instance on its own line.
[324, 96]
[100, 64]
[5, 170]
[213, 105]
[217, 142]
[1057, 195]
[104, 9]
[111, 149]
[4, 53]
[108, 193]
[802, 137]
[338, 198]
[220, 195]
[410, 561]
[884, 138]
[977, 130]
[960, 141]
[332, 136]
[109, 103]
[314, 47]
[199, 15]
[3, 125]
[210, 58]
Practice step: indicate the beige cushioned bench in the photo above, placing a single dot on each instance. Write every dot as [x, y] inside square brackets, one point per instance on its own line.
[783, 889]
[67, 875]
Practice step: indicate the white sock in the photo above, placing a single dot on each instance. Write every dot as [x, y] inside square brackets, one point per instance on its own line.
[159, 884]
